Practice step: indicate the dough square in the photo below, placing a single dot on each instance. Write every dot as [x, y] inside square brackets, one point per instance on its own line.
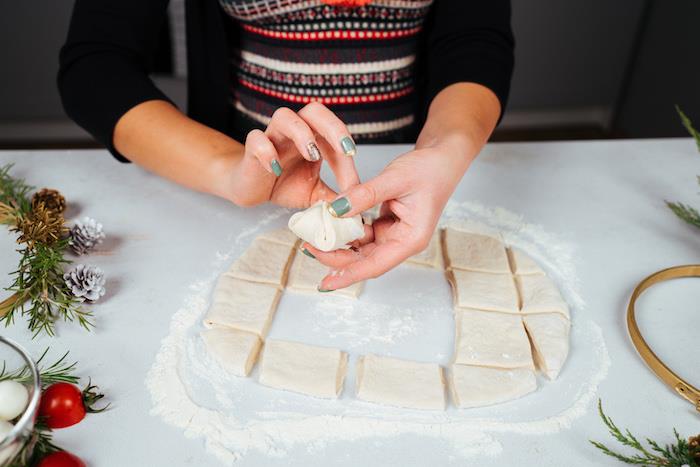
[243, 305]
[400, 383]
[474, 386]
[474, 252]
[549, 334]
[264, 261]
[282, 235]
[487, 338]
[303, 368]
[483, 291]
[431, 256]
[306, 273]
[236, 351]
[539, 294]
[522, 264]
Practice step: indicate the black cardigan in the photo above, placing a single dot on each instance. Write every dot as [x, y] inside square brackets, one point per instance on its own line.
[106, 60]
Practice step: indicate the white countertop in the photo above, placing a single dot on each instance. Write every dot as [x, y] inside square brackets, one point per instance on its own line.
[605, 197]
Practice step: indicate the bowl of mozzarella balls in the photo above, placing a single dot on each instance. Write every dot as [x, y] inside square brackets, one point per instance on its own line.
[20, 392]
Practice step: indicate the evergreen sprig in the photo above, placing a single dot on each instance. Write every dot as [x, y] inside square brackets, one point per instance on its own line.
[669, 455]
[58, 372]
[683, 211]
[39, 445]
[40, 292]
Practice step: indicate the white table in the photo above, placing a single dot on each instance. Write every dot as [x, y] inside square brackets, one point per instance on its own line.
[606, 197]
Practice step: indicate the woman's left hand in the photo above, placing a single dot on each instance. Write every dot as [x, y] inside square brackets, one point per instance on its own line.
[413, 190]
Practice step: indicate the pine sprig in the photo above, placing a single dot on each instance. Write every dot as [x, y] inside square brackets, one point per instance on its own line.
[58, 372]
[669, 455]
[14, 196]
[43, 296]
[683, 211]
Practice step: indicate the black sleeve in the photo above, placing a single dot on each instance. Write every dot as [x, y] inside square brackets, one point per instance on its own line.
[105, 62]
[470, 41]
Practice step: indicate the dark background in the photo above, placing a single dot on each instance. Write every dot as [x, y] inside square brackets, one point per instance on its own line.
[584, 69]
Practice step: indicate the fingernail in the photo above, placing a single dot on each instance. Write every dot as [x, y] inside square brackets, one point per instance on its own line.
[276, 167]
[339, 207]
[348, 146]
[324, 290]
[307, 253]
[314, 153]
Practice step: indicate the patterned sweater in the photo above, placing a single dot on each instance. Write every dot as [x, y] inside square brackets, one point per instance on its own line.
[358, 61]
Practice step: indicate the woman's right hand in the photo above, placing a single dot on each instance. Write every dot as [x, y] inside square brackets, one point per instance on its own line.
[283, 163]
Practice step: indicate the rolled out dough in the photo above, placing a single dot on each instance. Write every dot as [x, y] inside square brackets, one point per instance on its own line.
[264, 261]
[488, 338]
[400, 383]
[236, 351]
[483, 291]
[522, 264]
[306, 273]
[473, 386]
[474, 252]
[431, 256]
[539, 294]
[323, 230]
[243, 305]
[549, 333]
[303, 368]
[282, 235]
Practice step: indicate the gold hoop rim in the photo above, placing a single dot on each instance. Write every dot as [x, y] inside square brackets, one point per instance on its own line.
[678, 384]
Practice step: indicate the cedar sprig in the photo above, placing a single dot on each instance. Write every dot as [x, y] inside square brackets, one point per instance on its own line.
[685, 212]
[669, 455]
[14, 196]
[58, 372]
[43, 296]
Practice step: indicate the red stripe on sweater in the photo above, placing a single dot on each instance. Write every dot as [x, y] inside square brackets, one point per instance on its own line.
[327, 100]
[331, 35]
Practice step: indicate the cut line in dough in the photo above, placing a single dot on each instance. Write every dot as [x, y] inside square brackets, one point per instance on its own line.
[473, 386]
[400, 383]
[303, 368]
[243, 305]
[539, 294]
[522, 264]
[236, 351]
[474, 252]
[264, 261]
[487, 338]
[282, 235]
[306, 273]
[483, 291]
[549, 334]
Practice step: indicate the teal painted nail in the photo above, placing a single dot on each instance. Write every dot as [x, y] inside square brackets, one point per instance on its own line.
[348, 146]
[307, 253]
[340, 206]
[324, 290]
[276, 167]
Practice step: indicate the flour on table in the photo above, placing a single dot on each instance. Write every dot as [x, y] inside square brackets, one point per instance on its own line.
[236, 416]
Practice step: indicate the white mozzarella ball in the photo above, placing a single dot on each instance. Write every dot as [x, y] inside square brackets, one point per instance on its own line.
[13, 399]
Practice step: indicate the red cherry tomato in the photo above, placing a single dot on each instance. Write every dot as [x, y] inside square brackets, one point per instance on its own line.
[61, 459]
[62, 405]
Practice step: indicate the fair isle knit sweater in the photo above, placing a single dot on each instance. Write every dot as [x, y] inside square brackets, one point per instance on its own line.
[358, 61]
[378, 66]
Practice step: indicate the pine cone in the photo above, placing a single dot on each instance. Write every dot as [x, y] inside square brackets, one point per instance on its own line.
[85, 282]
[85, 235]
[694, 448]
[51, 199]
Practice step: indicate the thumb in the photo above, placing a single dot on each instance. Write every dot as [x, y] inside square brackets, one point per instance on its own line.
[365, 196]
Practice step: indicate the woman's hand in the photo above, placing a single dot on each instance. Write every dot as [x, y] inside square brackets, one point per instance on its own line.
[413, 190]
[282, 164]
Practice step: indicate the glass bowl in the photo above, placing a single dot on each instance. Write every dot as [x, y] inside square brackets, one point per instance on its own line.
[16, 358]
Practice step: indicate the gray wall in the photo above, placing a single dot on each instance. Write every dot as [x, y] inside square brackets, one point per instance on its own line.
[571, 57]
